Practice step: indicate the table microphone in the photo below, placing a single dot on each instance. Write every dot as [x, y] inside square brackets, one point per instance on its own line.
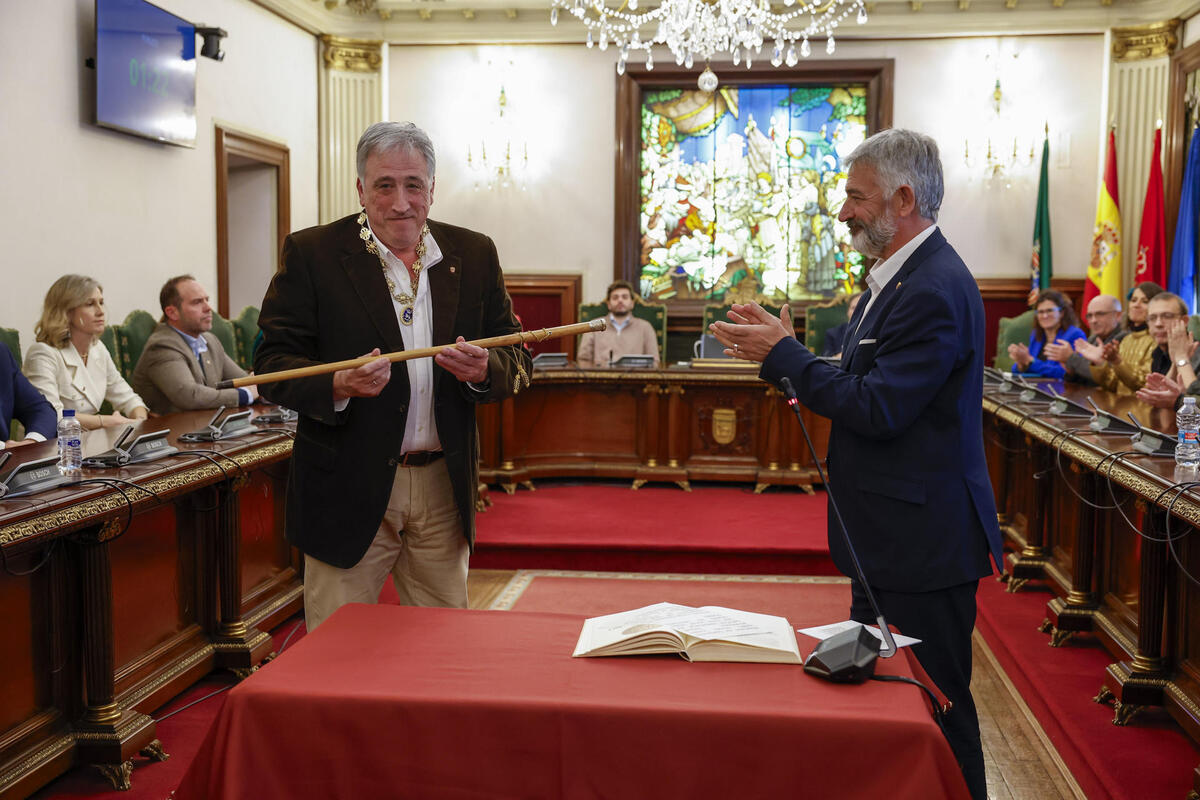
[847, 657]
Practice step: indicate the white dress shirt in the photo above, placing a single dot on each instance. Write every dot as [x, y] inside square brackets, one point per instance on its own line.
[66, 382]
[420, 429]
[881, 274]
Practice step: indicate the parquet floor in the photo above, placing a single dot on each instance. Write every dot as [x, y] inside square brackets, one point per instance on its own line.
[1021, 763]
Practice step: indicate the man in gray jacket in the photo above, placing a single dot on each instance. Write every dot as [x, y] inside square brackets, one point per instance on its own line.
[183, 361]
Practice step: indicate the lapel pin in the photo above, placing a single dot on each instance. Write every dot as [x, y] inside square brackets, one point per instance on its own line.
[452, 269]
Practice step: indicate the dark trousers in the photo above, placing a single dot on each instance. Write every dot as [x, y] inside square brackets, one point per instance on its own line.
[943, 620]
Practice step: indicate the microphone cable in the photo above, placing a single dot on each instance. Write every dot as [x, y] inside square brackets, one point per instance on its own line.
[793, 401]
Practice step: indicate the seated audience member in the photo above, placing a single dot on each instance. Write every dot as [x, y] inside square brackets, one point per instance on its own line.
[19, 400]
[1122, 367]
[69, 364]
[183, 361]
[835, 337]
[626, 335]
[1176, 358]
[1104, 324]
[1056, 323]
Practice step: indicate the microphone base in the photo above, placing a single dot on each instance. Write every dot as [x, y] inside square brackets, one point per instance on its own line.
[847, 657]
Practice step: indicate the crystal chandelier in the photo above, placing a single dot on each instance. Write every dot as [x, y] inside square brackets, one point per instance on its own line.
[703, 29]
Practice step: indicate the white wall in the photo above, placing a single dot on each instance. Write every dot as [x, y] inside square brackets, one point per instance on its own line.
[564, 221]
[125, 210]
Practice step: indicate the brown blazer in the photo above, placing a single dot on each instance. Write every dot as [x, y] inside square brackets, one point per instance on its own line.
[329, 302]
[169, 379]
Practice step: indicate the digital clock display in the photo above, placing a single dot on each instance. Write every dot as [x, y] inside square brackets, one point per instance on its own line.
[145, 71]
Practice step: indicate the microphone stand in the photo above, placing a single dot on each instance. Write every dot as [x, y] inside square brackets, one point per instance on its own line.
[888, 648]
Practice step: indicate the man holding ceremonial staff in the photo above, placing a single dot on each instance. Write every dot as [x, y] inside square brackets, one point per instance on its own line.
[384, 472]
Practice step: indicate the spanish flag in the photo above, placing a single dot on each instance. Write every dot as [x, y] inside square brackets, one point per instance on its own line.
[1104, 271]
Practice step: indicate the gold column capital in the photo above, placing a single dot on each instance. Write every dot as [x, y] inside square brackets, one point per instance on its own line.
[1141, 42]
[352, 55]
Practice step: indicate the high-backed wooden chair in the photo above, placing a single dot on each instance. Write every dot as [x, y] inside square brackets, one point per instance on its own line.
[654, 313]
[820, 317]
[131, 336]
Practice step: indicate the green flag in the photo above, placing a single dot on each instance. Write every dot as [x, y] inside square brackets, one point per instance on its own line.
[1041, 264]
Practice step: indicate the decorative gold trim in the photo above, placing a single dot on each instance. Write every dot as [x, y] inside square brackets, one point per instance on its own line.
[74, 516]
[100, 715]
[262, 612]
[1141, 42]
[139, 693]
[35, 759]
[352, 55]
[1177, 694]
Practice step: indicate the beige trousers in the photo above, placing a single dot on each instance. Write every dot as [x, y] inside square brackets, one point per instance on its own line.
[420, 542]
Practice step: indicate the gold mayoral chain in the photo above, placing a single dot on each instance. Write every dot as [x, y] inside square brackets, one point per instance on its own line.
[405, 300]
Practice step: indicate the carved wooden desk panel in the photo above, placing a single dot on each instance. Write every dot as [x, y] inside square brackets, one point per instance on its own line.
[1069, 501]
[674, 425]
[134, 591]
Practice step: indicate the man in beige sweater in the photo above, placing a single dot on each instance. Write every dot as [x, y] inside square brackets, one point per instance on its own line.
[626, 335]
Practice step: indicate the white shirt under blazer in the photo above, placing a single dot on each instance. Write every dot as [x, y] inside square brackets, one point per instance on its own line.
[66, 382]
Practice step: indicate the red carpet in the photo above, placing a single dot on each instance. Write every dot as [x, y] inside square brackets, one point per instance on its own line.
[1147, 760]
[655, 529]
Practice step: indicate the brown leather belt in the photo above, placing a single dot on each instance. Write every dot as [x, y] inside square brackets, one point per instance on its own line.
[420, 458]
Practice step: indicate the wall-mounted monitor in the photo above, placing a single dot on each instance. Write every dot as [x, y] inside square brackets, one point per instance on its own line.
[145, 71]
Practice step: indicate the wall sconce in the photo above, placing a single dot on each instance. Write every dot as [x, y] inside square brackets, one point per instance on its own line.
[503, 170]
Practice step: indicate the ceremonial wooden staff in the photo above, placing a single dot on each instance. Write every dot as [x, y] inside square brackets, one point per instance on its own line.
[425, 352]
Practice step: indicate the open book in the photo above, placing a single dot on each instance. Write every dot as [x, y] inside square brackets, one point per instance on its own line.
[709, 633]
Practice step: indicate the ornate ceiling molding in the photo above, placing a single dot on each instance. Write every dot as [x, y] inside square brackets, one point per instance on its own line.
[528, 21]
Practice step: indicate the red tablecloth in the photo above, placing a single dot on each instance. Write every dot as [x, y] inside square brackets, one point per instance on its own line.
[388, 701]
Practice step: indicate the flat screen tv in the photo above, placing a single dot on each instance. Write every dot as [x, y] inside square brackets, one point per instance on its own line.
[145, 71]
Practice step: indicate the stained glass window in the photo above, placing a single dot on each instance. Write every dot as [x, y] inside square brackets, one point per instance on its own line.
[740, 191]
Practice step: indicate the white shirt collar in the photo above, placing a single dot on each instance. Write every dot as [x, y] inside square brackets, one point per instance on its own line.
[881, 274]
[433, 253]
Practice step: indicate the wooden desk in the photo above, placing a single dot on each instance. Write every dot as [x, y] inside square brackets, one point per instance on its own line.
[1068, 500]
[674, 425]
[118, 597]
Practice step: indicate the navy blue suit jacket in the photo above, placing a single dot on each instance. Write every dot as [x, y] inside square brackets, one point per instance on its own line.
[906, 461]
[19, 400]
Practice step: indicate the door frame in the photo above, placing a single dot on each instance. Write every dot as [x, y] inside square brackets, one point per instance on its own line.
[231, 142]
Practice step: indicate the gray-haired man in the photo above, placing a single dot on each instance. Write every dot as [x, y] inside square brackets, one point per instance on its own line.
[384, 470]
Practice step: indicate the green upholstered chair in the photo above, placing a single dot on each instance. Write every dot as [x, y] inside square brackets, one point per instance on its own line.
[820, 317]
[1194, 326]
[111, 340]
[11, 338]
[223, 330]
[721, 314]
[245, 334]
[654, 313]
[1012, 330]
[131, 336]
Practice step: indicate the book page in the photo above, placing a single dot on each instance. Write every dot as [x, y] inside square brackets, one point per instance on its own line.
[705, 633]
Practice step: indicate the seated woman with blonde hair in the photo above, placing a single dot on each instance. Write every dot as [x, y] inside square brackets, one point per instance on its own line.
[70, 366]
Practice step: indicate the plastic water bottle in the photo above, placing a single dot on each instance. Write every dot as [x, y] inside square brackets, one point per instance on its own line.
[70, 444]
[1187, 420]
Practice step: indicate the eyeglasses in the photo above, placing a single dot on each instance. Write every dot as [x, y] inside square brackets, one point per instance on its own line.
[1045, 312]
[1165, 316]
[1095, 314]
